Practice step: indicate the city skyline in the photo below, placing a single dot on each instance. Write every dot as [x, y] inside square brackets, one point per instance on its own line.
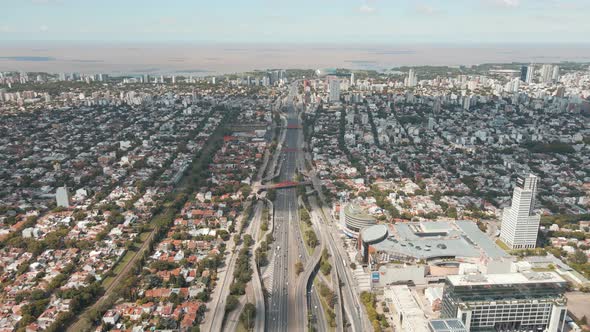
[282, 165]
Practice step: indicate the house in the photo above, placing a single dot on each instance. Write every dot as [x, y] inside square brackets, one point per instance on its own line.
[111, 317]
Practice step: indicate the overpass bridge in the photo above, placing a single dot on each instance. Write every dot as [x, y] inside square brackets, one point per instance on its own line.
[292, 126]
[282, 185]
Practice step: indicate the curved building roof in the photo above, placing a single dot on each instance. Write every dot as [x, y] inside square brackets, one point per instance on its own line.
[356, 218]
[374, 234]
[355, 211]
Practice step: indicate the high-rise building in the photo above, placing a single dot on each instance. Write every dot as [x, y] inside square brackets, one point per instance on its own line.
[266, 80]
[352, 79]
[546, 73]
[513, 85]
[560, 92]
[555, 75]
[437, 106]
[523, 73]
[62, 197]
[412, 79]
[334, 86]
[527, 301]
[520, 226]
[467, 102]
[530, 74]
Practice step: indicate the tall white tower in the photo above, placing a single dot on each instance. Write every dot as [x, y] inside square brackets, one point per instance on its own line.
[546, 73]
[530, 74]
[520, 226]
[62, 197]
[555, 74]
[412, 79]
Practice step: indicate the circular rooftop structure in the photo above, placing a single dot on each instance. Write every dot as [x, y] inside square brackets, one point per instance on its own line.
[374, 234]
[355, 218]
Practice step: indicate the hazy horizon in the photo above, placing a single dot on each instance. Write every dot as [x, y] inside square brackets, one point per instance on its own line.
[201, 58]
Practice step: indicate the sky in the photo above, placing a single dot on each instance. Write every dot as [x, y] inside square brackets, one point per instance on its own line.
[297, 21]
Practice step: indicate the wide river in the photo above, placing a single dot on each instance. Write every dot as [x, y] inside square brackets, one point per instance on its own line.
[209, 59]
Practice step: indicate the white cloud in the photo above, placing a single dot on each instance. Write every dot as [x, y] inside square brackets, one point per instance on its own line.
[426, 9]
[506, 3]
[43, 28]
[366, 9]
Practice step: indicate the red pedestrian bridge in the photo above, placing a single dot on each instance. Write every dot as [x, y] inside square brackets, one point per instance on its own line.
[283, 185]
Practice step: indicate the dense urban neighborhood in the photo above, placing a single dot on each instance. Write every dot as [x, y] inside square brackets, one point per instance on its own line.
[296, 200]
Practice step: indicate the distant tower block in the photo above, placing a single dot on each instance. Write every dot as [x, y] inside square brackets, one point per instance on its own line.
[62, 196]
[334, 90]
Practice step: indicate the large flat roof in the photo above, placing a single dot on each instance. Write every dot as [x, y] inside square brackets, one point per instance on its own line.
[404, 301]
[475, 235]
[428, 240]
[428, 248]
[505, 279]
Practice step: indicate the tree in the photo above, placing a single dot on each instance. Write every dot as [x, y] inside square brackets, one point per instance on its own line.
[298, 267]
[232, 303]
[247, 316]
[311, 238]
[325, 267]
[452, 212]
[248, 240]
[246, 190]
[223, 234]
[80, 215]
[579, 257]
[237, 288]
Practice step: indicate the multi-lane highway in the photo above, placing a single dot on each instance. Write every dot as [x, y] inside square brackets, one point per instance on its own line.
[350, 295]
[281, 301]
[291, 297]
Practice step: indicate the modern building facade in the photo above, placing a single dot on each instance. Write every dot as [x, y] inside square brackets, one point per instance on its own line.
[412, 79]
[446, 325]
[520, 226]
[530, 74]
[334, 86]
[62, 197]
[523, 73]
[527, 301]
[354, 219]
